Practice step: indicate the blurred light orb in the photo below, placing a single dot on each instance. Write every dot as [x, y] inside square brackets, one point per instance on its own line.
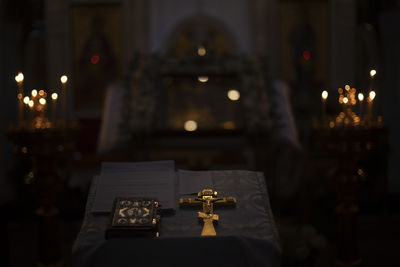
[228, 125]
[201, 51]
[190, 126]
[233, 95]
[203, 79]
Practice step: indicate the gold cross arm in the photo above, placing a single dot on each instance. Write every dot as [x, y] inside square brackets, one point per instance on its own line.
[196, 202]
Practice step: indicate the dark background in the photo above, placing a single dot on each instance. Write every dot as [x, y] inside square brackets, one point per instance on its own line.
[304, 208]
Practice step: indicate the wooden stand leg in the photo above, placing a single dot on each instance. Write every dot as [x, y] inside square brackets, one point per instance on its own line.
[347, 246]
[49, 238]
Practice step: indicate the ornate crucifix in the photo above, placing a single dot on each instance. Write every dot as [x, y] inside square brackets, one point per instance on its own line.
[207, 198]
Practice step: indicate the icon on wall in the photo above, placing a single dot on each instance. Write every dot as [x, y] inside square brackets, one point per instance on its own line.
[97, 52]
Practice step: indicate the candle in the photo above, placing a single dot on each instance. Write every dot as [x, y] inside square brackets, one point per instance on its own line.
[19, 78]
[34, 93]
[360, 99]
[26, 102]
[35, 105]
[324, 96]
[371, 97]
[31, 104]
[64, 80]
[372, 73]
[42, 107]
[353, 96]
[346, 99]
[54, 97]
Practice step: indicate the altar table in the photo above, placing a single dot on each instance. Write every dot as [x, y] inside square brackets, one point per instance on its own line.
[246, 234]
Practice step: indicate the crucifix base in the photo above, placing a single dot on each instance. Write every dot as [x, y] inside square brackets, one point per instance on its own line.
[208, 220]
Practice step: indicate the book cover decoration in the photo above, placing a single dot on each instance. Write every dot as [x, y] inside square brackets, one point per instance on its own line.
[134, 217]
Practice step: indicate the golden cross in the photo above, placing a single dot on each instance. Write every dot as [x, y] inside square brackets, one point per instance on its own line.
[207, 198]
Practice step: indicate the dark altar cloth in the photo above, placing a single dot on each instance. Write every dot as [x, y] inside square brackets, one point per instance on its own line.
[246, 235]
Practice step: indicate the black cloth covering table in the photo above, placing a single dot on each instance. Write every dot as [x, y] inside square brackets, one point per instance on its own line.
[246, 234]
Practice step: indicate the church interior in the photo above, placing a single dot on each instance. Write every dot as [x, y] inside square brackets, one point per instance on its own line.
[305, 91]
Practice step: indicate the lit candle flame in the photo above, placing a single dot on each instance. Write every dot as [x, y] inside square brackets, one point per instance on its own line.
[64, 79]
[324, 95]
[345, 100]
[54, 96]
[19, 78]
[360, 97]
[31, 103]
[372, 73]
[372, 95]
[41, 93]
[34, 92]
[347, 87]
[26, 100]
[42, 101]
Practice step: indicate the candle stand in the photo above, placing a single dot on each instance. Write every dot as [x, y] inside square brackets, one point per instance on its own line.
[354, 142]
[46, 153]
[354, 149]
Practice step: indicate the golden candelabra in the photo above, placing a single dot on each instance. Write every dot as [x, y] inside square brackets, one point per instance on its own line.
[34, 109]
[352, 105]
